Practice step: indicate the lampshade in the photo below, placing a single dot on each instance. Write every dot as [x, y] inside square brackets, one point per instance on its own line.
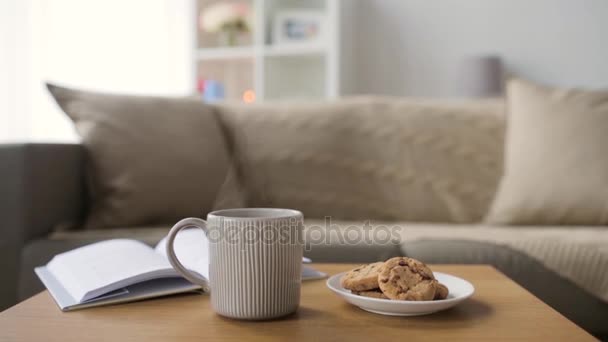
[480, 76]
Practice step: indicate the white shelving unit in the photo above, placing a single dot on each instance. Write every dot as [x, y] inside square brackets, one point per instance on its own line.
[224, 53]
[272, 71]
[290, 50]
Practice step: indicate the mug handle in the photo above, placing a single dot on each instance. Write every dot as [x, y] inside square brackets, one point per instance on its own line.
[191, 222]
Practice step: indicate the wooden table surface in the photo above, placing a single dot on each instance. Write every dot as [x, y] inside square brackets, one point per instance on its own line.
[499, 310]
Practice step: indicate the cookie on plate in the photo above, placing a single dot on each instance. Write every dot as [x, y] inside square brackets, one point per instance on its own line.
[441, 292]
[407, 279]
[362, 278]
[376, 293]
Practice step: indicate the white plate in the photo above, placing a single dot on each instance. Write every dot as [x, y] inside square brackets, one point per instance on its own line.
[459, 288]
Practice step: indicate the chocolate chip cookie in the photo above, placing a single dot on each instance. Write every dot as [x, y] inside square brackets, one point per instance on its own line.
[407, 279]
[376, 293]
[362, 278]
[441, 292]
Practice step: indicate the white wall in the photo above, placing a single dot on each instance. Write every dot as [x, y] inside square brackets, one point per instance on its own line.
[13, 56]
[135, 46]
[414, 47]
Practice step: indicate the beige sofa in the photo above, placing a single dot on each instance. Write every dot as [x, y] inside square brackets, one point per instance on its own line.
[423, 173]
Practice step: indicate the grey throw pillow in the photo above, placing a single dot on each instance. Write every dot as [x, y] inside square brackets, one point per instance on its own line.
[150, 160]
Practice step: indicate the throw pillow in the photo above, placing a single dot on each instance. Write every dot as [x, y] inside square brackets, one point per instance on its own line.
[556, 166]
[379, 158]
[150, 160]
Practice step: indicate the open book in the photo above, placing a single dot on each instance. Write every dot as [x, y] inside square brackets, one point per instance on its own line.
[122, 270]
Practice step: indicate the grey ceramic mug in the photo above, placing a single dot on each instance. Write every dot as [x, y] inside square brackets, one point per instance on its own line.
[255, 260]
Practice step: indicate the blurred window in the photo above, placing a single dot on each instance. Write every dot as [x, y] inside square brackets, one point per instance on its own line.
[127, 46]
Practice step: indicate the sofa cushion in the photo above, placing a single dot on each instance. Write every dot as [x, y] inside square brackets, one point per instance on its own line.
[556, 167]
[579, 254]
[370, 157]
[585, 310]
[150, 160]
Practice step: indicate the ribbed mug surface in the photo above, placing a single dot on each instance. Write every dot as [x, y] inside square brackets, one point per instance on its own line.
[255, 262]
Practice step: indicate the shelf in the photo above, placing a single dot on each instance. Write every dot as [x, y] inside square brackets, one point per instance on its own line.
[271, 71]
[241, 52]
[219, 53]
[305, 75]
[293, 50]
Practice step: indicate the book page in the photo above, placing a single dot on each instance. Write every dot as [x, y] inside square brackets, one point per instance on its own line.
[192, 250]
[92, 270]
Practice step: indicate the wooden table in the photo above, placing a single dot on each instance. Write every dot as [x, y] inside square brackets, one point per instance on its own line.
[499, 310]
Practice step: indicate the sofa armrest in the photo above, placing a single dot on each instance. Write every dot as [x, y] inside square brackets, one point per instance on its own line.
[41, 185]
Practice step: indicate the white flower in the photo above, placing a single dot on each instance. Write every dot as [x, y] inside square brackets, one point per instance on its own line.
[224, 14]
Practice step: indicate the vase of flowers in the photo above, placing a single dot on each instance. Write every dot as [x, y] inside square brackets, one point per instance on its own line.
[229, 20]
